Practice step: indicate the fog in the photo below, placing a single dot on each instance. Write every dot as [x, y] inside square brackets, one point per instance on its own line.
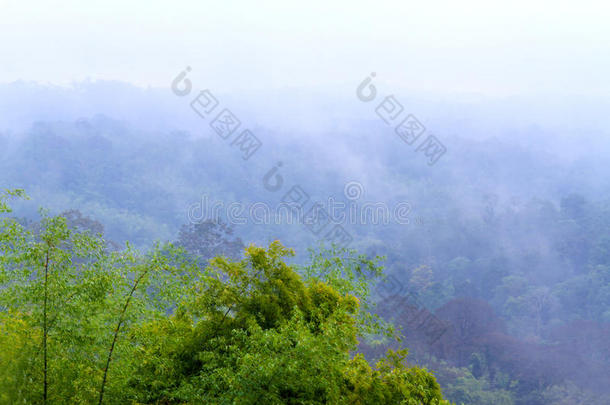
[501, 228]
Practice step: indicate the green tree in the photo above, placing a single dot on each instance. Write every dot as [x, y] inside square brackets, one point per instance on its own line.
[68, 305]
[258, 332]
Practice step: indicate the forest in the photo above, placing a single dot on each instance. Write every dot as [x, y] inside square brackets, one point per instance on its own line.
[494, 290]
[84, 323]
[308, 203]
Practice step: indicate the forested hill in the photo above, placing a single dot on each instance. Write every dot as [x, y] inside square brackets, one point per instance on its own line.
[504, 241]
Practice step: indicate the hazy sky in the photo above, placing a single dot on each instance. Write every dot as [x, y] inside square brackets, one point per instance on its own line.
[493, 48]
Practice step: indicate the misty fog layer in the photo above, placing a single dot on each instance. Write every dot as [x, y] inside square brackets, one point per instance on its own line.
[506, 237]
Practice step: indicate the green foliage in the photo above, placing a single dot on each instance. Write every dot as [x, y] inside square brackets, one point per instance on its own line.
[6, 194]
[351, 273]
[475, 385]
[258, 332]
[80, 323]
[66, 299]
[391, 382]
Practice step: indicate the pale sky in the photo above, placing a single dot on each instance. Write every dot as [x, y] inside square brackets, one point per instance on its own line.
[486, 47]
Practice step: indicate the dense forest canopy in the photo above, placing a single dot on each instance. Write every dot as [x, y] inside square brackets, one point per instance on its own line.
[508, 251]
[84, 323]
[322, 202]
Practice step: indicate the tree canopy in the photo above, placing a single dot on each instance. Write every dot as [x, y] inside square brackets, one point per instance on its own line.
[82, 323]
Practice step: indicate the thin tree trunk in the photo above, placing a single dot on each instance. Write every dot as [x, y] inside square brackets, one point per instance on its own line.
[116, 335]
[44, 326]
